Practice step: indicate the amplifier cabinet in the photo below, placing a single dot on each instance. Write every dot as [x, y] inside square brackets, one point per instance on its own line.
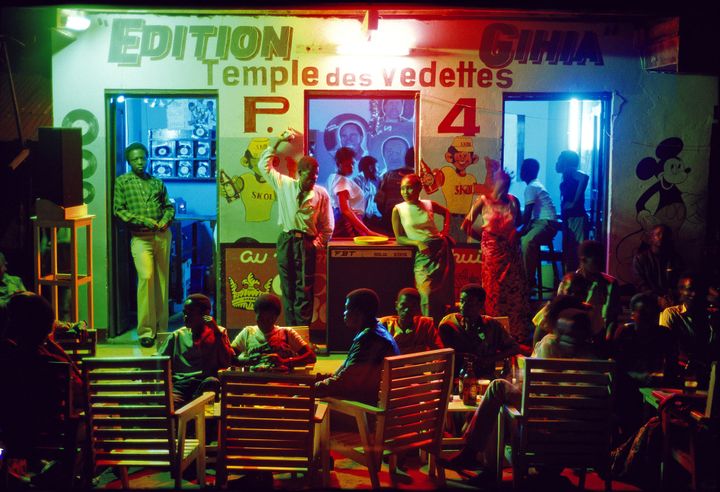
[385, 268]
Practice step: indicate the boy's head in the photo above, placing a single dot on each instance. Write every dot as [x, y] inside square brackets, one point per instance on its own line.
[472, 301]
[361, 307]
[568, 160]
[195, 308]
[267, 310]
[644, 308]
[407, 304]
[529, 170]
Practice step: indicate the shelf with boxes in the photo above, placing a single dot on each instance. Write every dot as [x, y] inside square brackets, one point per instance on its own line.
[182, 154]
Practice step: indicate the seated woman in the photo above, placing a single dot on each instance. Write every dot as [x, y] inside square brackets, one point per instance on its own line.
[347, 198]
[268, 346]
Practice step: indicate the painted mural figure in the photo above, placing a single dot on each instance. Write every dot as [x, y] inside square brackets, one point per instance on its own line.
[572, 206]
[669, 170]
[346, 130]
[502, 271]
[457, 184]
[255, 192]
[306, 220]
[142, 202]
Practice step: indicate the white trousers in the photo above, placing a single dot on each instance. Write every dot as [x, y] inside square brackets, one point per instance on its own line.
[151, 254]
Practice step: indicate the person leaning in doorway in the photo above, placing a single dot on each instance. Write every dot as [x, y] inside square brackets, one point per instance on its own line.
[142, 202]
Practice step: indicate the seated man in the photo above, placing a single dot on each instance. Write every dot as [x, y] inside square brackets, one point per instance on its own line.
[571, 339]
[539, 219]
[9, 284]
[603, 289]
[25, 356]
[474, 335]
[268, 346]
[412, 331]
[572, 286]
[197, 351]
[694, 339]
[358, 378]
[641, 348]
[657, 267]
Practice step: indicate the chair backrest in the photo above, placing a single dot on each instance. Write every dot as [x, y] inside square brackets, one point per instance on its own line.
[567, 410]
[39, 412]
[414, 392]
[266, 421]
[130, 410]
[77, 345]
[712, 407]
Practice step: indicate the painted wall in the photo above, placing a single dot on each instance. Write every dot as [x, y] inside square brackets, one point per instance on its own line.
[260, 66]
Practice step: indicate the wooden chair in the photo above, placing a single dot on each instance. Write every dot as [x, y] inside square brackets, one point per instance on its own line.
[413, 401]
[687, 433]
[565, 418]
[270, 422]
[77, 345]
[49, 429]
[132, 420]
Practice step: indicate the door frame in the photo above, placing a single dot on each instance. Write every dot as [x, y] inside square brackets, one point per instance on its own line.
[115, 155]
[601, 165]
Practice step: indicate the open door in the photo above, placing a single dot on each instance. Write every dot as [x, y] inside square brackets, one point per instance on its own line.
[541, 125]
[179, 131]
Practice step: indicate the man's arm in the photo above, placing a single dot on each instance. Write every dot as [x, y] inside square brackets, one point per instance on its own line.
[507, 346]
[168, 209]
[326, 222]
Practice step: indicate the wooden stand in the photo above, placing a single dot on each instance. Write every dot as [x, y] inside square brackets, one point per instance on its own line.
[72, 279]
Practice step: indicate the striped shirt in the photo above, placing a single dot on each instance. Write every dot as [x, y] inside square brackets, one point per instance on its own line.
[138, 201]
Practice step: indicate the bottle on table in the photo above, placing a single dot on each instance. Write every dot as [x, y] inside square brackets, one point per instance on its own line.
[468, 383]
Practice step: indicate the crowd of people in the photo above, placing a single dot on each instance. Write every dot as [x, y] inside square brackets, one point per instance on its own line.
[671, 330]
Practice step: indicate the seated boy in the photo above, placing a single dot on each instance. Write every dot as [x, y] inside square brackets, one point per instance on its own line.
[197, 351]
[268, 346]
[412, 331]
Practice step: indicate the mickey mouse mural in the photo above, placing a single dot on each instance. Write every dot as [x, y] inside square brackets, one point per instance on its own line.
[668, 170]
[661, 203]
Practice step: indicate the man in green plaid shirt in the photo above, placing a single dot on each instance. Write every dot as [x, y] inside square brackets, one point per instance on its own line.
[142, 202]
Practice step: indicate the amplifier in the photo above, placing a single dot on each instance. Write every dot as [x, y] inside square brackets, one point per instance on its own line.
[383, 268]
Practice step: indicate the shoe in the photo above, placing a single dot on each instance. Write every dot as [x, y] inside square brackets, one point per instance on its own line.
[147, 342]
[459, 462]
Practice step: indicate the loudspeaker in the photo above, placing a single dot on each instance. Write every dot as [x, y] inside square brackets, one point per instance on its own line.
[384, 268]
[58, 168]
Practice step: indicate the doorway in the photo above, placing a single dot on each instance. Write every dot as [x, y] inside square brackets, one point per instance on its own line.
[179, 130]
[541, 125]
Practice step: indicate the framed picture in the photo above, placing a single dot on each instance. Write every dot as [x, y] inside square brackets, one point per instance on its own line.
[382, 124]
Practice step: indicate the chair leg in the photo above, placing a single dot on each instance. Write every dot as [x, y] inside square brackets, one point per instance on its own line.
[582, 472]
[124, 479]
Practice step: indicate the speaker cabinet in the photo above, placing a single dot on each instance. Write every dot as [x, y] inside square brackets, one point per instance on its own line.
[58, 168]
[383, 268]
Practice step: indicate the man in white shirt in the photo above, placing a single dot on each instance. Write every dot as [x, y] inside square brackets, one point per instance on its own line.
[539, 221]
[306, 220]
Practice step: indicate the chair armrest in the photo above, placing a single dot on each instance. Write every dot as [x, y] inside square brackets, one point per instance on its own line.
[511, 412]
[351, 407]
[194, 408]
[321, 410]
